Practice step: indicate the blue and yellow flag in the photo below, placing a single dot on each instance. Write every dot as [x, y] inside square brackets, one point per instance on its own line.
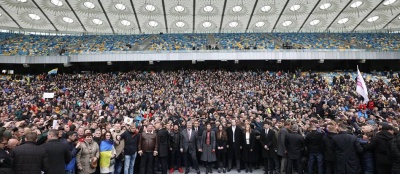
[106, 148]
[53, 71]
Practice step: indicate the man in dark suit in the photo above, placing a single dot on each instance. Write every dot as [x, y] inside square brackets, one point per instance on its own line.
[235, 136]
[294, 143]
[188, 145]
[268, 147]
[163, 146]
[347, 148]
[199, 133]
[281, 144]
[55, 149]
[30, 158]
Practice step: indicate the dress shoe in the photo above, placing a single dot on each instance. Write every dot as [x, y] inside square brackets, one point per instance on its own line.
[238, 170]
[219, 170]
[180, 170]
[198, 172]
[171, 170]
[223, 170]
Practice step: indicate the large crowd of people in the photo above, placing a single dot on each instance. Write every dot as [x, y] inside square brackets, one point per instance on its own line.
[198, 121]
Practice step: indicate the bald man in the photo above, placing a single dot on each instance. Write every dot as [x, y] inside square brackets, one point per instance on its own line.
[12, 143]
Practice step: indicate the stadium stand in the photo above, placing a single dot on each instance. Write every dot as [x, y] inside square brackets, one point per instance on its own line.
[31, 45]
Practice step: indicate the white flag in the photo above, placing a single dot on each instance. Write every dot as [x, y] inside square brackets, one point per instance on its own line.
[361, 87]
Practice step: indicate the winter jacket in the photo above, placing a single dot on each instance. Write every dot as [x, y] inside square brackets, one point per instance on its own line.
[380, 146]
[29, 159]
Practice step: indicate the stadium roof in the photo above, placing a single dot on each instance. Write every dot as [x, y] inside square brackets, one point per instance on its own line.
[199, 16]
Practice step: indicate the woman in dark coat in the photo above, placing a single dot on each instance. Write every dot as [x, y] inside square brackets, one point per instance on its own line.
[208, 143]
[248, 148]
[222, 139]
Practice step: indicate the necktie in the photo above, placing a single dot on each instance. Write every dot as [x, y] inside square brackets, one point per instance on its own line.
[190, 133]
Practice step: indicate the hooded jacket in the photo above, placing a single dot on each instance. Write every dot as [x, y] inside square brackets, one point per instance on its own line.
[380, 145]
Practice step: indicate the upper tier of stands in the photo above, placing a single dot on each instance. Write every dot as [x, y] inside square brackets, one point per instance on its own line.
[30, 45]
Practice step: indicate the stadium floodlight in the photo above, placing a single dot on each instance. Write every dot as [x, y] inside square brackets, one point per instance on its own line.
[344, 20]
[389, 2]
[68, 20]
[266, 8]
[97, 21]
[295, 7]
[325, 6]
[120, 6]
[208, 8]
[373, 19]
[315, 22]
[57, 3]
[356, 4]
[34, 16]
[233, 24]
[287, 23]
[180, 24]
[179, 8]
[150, 7]
[89, 5]
[237, 8]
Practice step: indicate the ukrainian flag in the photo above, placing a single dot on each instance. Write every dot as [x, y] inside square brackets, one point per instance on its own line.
[106, 150]
[53, 71]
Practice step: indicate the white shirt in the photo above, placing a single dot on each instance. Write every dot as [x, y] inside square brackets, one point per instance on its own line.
[247, 138]
[233, 130]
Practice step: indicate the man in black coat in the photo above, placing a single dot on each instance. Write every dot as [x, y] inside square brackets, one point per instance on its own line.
[163, 140]
[346, 148]
[380, 145]
[58, 153]
[235, 136]
[188, 146]
[30, 158]
[267, 140]
[315, 149]
[329, 154]
[281, 144]
[294, 143]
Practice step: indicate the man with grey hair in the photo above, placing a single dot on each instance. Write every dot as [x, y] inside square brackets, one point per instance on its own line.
[188, 145]
[294, 144]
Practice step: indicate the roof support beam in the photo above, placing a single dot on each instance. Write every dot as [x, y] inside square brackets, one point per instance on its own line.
[194, 14]
[165, 16]
[312, 11]
[367, 15]
[395, 17]
[73, 11]
[45, 15]
[101, 5]
[341, 11]
[251, 16]
[276, 23]
[222, 16]
[5, 11]
[136, 17]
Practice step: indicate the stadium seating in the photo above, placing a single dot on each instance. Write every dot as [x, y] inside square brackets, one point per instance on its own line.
[240, 41]
[31, 45]
[179, 42]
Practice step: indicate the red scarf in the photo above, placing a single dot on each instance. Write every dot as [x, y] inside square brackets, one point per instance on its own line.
[208, 141]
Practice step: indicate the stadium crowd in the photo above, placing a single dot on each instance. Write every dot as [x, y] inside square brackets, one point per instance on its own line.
[171, 121]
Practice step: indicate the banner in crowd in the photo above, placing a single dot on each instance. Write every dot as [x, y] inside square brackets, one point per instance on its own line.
[361, 87]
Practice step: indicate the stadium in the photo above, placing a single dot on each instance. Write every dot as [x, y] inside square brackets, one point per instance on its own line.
[94, 73]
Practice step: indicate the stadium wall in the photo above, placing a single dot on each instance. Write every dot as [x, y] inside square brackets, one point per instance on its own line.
[202, 56]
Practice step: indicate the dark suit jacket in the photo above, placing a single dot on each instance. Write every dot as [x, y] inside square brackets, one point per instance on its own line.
[30, 159]
[294, 143]
[281, 141]
[163, 142]
[189, 144]
[234, 148]
[58, 154]
[268, 140]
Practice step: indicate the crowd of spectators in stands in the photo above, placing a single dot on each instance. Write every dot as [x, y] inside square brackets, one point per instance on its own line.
[31, 45]
[177, 120]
